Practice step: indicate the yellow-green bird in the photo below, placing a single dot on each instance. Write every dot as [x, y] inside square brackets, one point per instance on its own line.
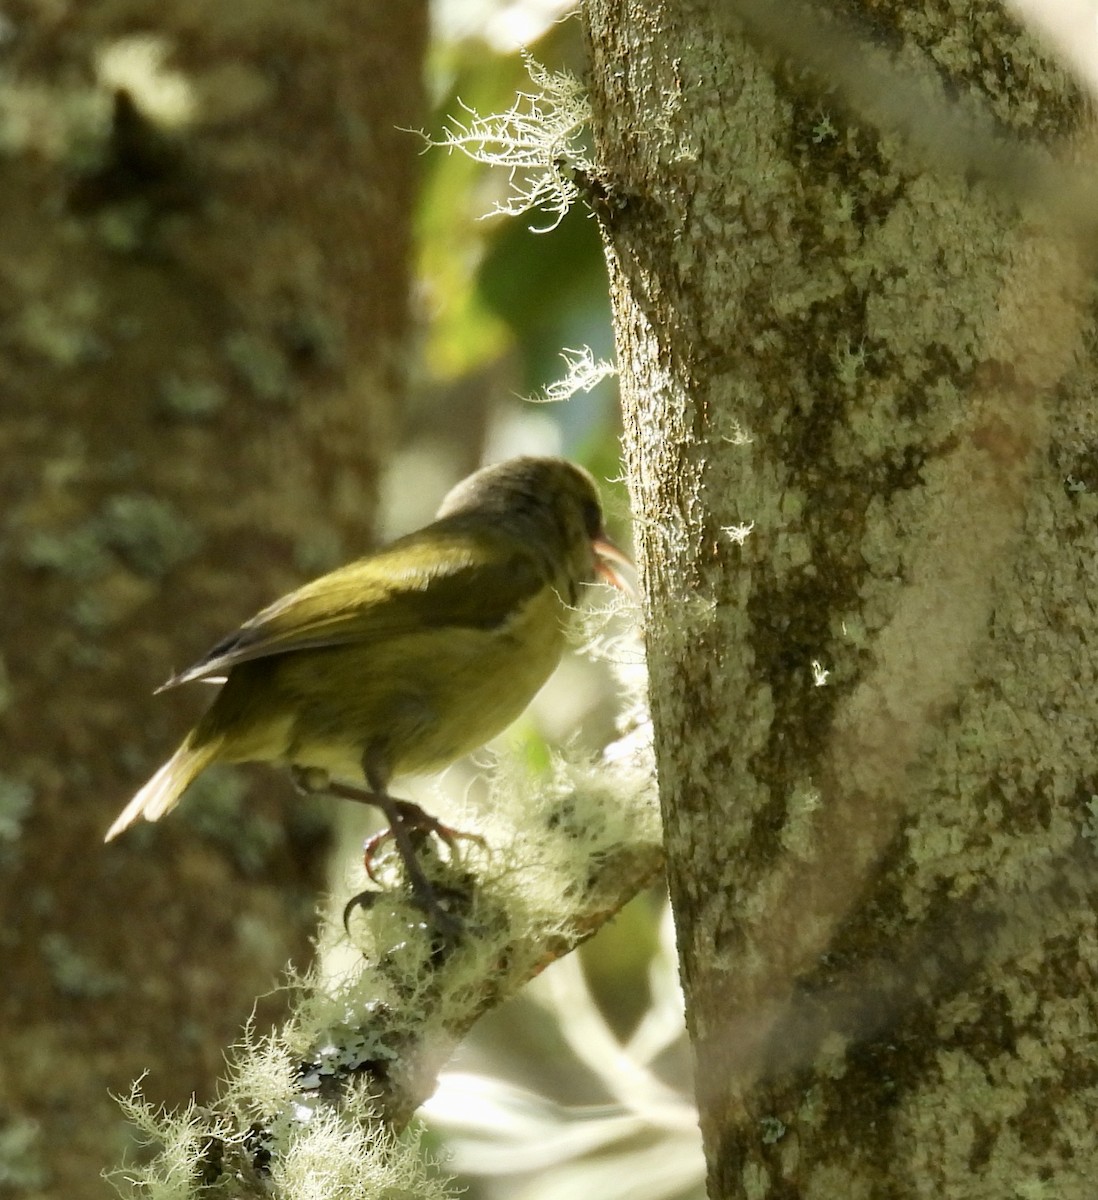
[404, 660]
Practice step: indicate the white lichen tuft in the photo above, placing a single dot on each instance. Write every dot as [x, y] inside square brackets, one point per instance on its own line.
[738, 534]
[539, 140]
[262, 1074]
[583, 374]
[181, 1136]
[348, 1154]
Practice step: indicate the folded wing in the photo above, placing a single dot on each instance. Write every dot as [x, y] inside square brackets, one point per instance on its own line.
[431, 579]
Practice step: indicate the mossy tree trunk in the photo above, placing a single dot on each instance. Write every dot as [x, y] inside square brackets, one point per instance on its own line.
[859, 379]
[206, 255]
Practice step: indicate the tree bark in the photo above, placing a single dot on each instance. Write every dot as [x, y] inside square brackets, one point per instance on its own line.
[855, 328]
[206, 256]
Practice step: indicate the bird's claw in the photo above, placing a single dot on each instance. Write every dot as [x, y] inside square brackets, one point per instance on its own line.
[366, 899]
[443, 921]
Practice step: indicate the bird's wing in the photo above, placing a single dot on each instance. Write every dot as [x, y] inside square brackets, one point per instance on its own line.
[418, 582]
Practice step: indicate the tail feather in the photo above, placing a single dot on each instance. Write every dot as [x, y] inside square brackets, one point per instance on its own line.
[165, 789]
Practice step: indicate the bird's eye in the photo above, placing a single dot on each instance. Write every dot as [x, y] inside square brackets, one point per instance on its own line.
[592, 518]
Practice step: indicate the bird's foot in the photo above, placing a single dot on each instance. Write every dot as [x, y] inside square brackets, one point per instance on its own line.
[409, 825]
[419, 823]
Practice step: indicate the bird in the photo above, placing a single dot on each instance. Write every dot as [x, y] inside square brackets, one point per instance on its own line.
[406, 659]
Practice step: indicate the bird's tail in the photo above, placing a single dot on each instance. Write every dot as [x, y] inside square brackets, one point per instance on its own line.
[165, 789]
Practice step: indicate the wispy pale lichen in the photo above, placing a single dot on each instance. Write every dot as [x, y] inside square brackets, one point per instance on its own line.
[540, 140]
[583, 374]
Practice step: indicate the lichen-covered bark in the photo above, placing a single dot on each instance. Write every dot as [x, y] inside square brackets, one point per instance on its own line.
[206, 213]
[859, 376]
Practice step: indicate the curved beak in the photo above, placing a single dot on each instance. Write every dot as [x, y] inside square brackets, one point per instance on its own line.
[608, 558]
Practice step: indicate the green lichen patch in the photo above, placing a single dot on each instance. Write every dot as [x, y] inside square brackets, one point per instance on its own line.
[261, 366]
[22, 1167]
[149, 534]
[16, 801]
[186, 398]
[76, 974]
[216, 807]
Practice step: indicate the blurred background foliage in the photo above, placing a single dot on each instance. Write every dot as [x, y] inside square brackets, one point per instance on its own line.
[581, 1086]
[498, 302]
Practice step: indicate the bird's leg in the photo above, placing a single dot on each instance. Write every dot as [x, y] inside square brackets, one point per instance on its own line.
[412, 816]
[406, 821]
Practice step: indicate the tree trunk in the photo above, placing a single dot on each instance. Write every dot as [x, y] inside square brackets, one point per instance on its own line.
[206, 258]
[855, 331]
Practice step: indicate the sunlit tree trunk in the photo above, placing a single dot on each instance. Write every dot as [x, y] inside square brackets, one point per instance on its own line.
[206, 214]
[855, 329]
